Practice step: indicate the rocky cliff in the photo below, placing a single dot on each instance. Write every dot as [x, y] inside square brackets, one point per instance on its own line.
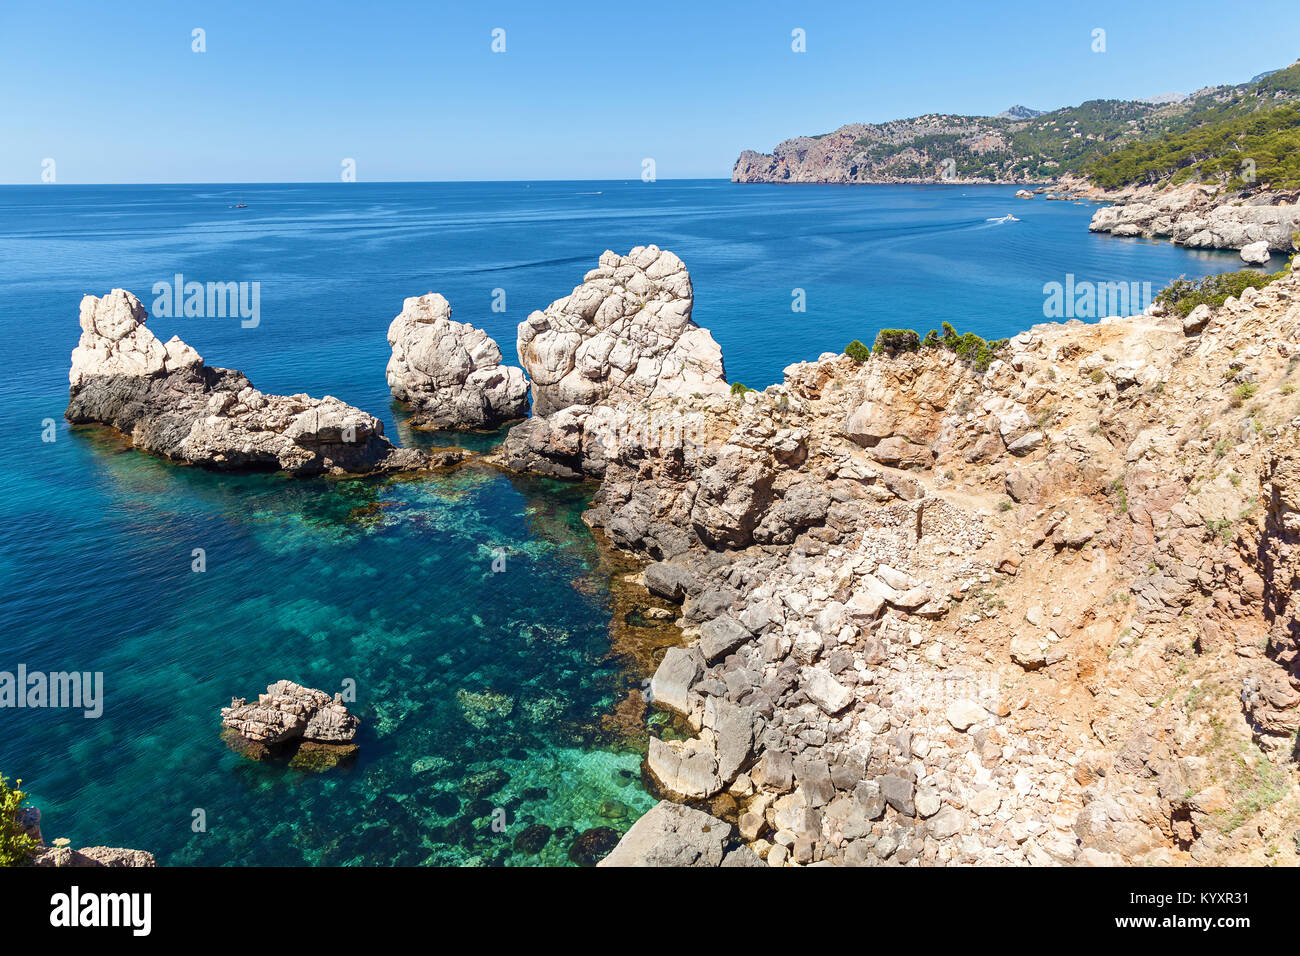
[1018, 145]
[165, 400]
[1039, 612]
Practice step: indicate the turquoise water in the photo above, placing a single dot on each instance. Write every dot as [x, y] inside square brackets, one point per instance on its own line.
[477, 690]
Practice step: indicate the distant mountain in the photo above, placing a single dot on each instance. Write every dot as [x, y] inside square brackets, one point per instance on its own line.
[1008, 148]
[1019, 112]
[1162, 98]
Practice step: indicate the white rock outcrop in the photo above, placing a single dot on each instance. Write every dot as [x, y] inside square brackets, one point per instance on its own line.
[115, 341]
[450, 372]
[165, 400]
[625, 334]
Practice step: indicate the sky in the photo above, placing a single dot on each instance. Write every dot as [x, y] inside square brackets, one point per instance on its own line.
[285, 91]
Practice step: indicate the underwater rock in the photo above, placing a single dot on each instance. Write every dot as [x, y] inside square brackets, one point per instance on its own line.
[485, 782]
[165, 400]
[533, 838]
[593, 845]
[311, 728]
[450, 372]
[480, 708]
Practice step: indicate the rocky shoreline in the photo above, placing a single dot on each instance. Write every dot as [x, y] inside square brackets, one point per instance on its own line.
[930, 609]
[62, 855]
[1037, 610]
[1197, 216]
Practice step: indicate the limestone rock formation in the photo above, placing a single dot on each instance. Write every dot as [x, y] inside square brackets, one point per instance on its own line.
[165, 400]
[29, 821]
[450, 372]
[309, 726]
[625, 334]
[674, 835]
[1197, 216]
[910, 589]
[93, 856]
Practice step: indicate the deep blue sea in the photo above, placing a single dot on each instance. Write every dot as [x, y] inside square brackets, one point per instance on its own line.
[477, 691]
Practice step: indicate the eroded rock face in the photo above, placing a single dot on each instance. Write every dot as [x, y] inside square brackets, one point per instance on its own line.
[314, 729]
[93, 856]
[1199, 217]
[910, 588]
[165, 400]
[624, 334]
[450, 372]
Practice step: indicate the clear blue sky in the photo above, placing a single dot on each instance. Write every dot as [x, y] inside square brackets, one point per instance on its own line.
[412, 91]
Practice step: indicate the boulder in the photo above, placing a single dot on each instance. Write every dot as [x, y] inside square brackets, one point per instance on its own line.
[1255, 253]
[450, 372]
[721, 636]
[673, 679]
[825, 691]
[673, 835]
[687, 769]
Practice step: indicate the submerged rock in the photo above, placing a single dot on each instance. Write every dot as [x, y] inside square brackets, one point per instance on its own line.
[314, 730]
[591, 846]
[165, 400]
[450, 372]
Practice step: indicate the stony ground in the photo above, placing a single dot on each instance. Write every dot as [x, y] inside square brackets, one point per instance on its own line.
[1036, 615]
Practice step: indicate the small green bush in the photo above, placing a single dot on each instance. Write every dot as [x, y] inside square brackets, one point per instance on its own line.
[857, 351]
[894, 341]
[16, 847]
[1183, 295]
[740, 388]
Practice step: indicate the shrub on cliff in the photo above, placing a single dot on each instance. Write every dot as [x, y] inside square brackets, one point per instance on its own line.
[1183, 295]
[16, 846]
[857, 351]
[894, 341]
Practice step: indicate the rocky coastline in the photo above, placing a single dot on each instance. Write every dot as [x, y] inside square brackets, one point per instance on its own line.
[933, 614]
[62, 855]
[1258, 223]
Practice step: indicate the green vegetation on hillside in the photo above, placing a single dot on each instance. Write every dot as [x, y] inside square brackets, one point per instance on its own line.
[968, 347]
[1257, 148]
[1183, 295]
